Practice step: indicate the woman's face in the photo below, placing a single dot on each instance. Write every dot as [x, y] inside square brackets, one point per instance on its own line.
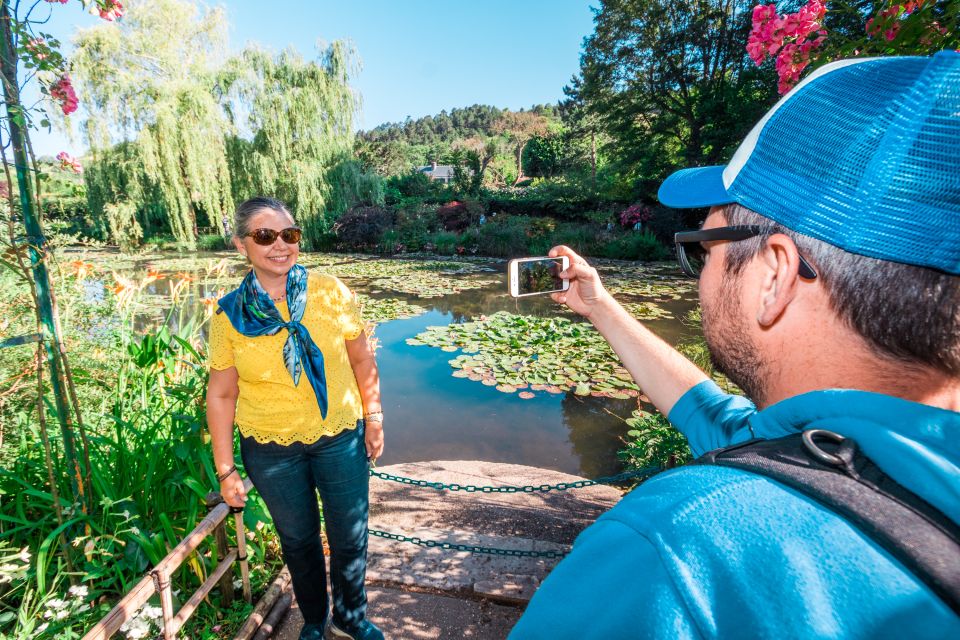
[275, 259]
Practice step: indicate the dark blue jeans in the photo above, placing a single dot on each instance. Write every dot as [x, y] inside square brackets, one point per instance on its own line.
[288, 478]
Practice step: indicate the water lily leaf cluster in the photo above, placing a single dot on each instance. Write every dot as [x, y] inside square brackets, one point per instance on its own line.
[530, 354]
[379, 310]
[421, 278]
[653, 282]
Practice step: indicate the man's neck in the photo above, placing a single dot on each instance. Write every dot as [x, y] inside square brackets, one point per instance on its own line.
[815, 366]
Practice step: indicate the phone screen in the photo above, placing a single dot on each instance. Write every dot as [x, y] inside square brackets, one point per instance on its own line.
[539, 276]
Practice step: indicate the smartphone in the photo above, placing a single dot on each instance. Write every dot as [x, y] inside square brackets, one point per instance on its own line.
[532, 276]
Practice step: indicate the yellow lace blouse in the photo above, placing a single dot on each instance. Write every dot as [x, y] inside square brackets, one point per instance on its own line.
[270, 408]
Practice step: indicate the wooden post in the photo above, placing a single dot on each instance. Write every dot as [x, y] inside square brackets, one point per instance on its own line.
[242, 550]
[161, 579]
[220, 535]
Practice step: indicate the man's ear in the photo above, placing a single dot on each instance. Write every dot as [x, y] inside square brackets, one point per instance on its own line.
[780, 263]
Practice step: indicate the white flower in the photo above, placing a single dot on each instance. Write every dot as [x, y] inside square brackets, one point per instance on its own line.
[78, 591]
[24, 555]
[136, 628]
[63, 613]
[43, 627]
[152, 613]
[135, 531]
[237, 584]
[126, 514]
[56, 603]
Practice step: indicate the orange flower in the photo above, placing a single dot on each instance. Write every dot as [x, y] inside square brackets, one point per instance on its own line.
[124, 289]
[82, 269]
[152, 276]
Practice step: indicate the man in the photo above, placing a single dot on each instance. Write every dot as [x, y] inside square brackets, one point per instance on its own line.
[838, 309]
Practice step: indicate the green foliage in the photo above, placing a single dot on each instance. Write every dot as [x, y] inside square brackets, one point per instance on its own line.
[122, 222]
[635, 246]
[301, 113]
[667, 84]
[653, 442]
[143, 399]
[158, 92]
[546, 156]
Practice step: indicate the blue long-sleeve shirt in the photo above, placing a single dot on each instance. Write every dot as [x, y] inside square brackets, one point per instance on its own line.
[715, 552]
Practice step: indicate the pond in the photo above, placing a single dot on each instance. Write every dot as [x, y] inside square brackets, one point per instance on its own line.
[467, 372]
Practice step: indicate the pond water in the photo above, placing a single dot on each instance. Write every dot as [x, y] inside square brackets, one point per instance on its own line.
[430, 413]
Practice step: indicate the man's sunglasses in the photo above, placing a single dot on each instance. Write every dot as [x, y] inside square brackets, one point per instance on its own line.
[691, 254]
[266, 237]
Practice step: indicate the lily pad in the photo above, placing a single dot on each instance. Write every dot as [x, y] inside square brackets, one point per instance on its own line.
[548, 354]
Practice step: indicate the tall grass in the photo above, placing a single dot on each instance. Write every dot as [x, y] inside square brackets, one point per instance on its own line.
[151, 469]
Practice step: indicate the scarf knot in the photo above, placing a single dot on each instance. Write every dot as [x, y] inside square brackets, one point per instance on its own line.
[252, 313]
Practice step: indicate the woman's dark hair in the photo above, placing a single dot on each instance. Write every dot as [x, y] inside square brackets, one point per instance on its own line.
[249, 208]
[908, 313]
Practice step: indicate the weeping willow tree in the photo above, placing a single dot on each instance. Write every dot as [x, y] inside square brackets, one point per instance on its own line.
[157, 132]
[299, 117]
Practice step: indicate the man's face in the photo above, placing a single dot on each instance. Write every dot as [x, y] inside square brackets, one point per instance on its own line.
[725, 326]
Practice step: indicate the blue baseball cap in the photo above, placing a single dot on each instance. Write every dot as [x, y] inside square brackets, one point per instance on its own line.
[864, 154]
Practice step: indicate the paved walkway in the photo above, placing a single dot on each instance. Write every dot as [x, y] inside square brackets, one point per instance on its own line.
[422, 592]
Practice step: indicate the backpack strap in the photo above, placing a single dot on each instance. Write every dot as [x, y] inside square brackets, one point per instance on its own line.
[832, 471]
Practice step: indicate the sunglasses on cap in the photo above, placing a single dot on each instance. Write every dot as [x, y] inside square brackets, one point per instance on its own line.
[692, 254]
[266, 237]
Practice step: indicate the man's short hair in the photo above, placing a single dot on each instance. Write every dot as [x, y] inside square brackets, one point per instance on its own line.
[910, 314]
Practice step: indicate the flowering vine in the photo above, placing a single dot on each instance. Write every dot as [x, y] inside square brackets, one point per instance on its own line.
[69, 163]
[789, 39]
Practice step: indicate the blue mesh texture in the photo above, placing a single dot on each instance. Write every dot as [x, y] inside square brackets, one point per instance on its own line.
[867, 158]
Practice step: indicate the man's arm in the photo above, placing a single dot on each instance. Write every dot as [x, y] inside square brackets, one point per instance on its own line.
[659, 370]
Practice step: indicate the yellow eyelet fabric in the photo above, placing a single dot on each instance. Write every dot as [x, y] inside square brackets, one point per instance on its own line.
[270, 408]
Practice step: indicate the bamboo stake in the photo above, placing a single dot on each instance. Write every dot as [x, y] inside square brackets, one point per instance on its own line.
[263, 607]
[242, 548]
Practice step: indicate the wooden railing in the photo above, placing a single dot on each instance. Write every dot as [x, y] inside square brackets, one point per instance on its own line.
[158, 579]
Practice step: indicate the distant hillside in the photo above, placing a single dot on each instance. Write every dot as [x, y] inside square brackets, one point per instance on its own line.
[459, 124]
[445, 127]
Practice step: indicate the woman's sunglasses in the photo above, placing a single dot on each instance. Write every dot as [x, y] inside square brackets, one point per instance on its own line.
[266, 237]
[692, 255]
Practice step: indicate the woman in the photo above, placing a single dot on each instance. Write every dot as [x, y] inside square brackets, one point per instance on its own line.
[291, 366]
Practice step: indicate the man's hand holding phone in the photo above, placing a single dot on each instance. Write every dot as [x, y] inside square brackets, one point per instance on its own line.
[585, 291]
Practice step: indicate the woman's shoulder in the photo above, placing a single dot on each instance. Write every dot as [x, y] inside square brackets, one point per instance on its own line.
[319, 281]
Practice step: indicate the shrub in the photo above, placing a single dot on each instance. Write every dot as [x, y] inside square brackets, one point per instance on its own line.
[361, 227]
[653, 441]
[415, 225]
[445, 243]
[635, 246]
[458, 216]
[211, 242]
[504, 237]
[390, 242]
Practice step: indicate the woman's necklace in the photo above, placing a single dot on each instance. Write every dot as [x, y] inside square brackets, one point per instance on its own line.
[280, 297]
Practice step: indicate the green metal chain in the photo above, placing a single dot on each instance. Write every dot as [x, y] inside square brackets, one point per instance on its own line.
[516, 553]
[543, 488]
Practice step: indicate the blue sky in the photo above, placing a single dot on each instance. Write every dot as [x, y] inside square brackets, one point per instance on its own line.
[417, 57]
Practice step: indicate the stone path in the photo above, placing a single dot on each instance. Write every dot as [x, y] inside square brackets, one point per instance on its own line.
[422, 592]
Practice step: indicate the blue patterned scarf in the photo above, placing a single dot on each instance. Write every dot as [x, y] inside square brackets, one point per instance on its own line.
[252, 313]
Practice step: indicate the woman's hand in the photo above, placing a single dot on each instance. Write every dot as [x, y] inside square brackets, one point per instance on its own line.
[373, 438]
[231, 488]
[585, 290]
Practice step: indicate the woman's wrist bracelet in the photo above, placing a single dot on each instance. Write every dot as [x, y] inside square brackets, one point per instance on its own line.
[373, 416]
[226, 474]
